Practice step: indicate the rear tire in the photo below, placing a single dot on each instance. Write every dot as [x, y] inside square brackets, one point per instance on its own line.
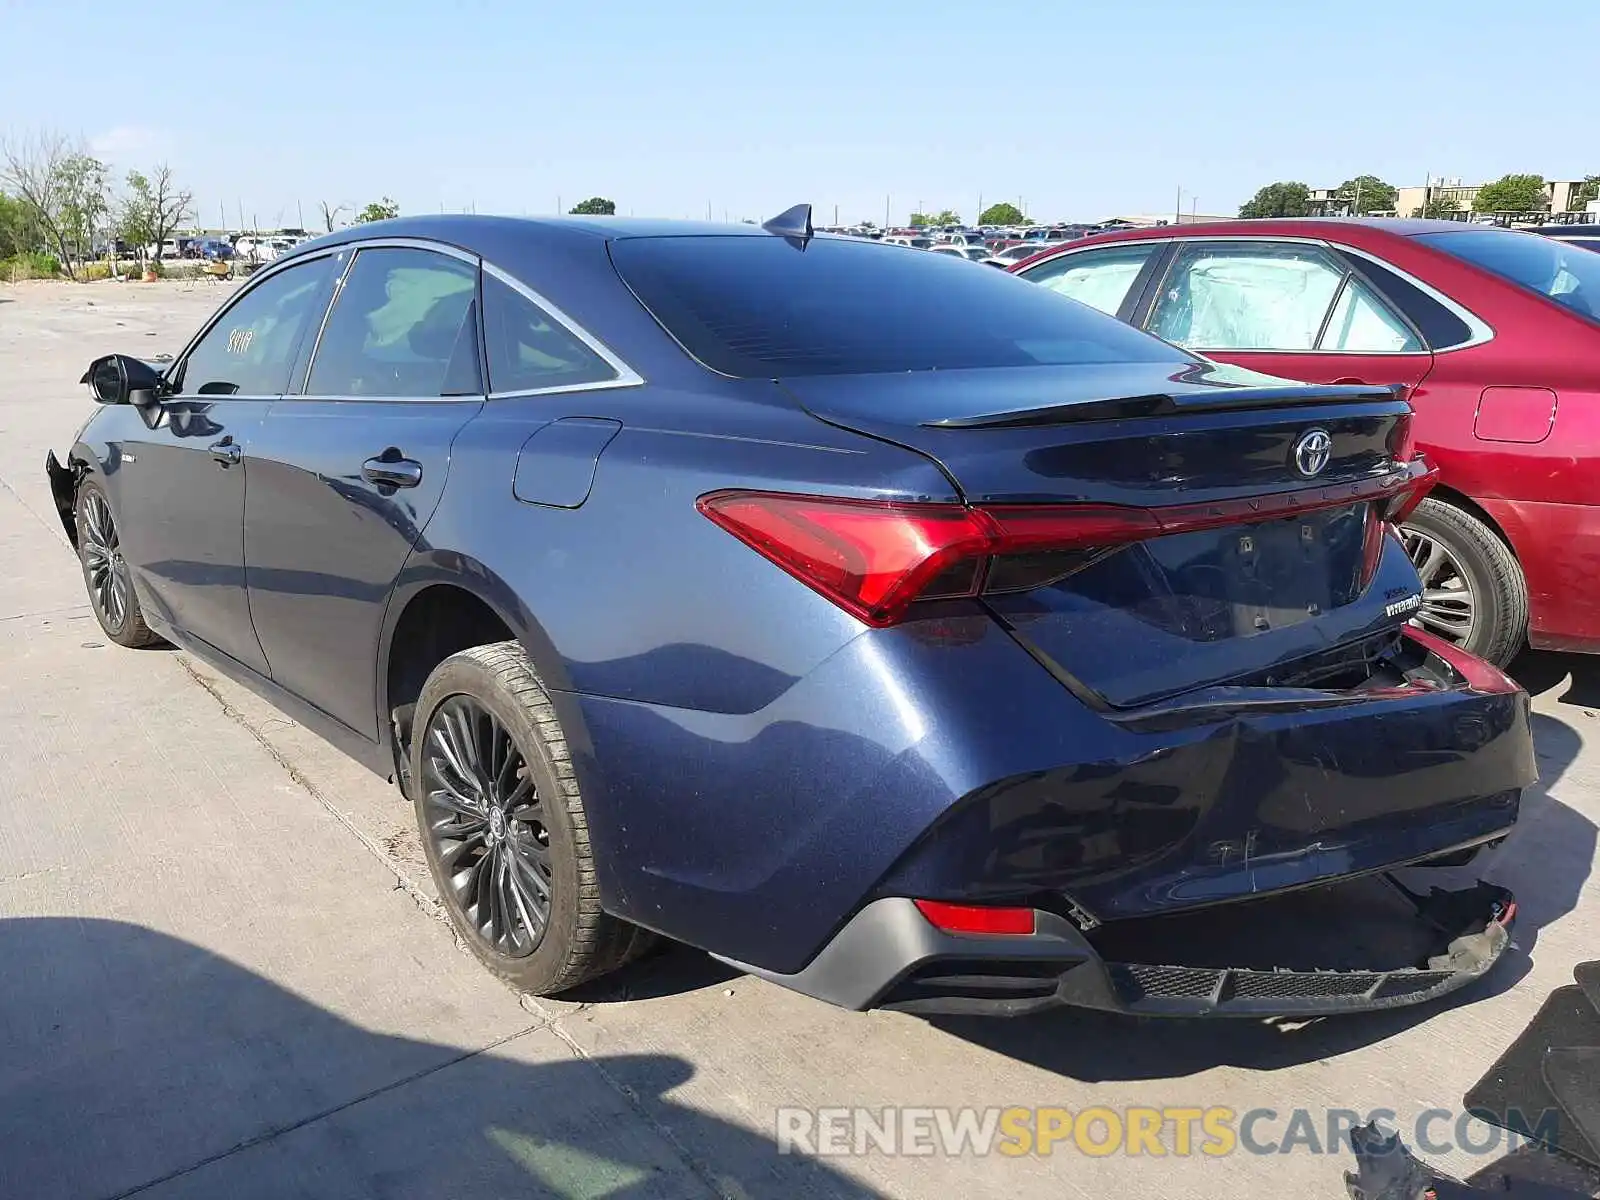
[106, 575]
[1473, 591]
[520, 887]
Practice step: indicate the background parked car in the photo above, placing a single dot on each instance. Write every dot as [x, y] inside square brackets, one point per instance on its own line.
[974, 253]
[1587, 236]
[1495, 333]
[1014, 253]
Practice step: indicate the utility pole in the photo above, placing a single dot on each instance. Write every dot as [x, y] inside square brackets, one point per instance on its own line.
[1355, 206]
[886, 212]
[300, 214]
[708, 210]
[1177, 213]
[559, 209]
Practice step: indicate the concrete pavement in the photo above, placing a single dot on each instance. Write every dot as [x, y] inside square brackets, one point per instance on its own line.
[222, 972]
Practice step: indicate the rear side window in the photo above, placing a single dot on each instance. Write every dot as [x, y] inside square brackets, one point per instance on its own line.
[528, 349]
[1440, 327]
[1245, 296]
[1361, 324]
[754, 306]
[250, 350]
[404, 324]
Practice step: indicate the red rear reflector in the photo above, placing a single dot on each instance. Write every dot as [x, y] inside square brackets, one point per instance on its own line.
[976, 918]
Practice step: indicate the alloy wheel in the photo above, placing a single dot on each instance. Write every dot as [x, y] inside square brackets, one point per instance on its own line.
[1448, 605]
[107, 570]
[485, 820]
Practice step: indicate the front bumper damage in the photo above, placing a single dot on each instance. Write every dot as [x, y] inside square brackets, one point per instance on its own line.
[1375, 945]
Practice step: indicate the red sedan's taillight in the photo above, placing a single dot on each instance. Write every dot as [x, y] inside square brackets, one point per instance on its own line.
[873, 557]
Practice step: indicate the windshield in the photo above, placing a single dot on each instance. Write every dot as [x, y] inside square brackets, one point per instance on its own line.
[763, 306]
[1566, 274]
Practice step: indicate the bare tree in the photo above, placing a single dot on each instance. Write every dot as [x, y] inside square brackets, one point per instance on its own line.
[157, 204]
[32, 169]
[330, 214]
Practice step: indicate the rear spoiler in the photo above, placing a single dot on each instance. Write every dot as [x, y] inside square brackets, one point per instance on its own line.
[1224, 399]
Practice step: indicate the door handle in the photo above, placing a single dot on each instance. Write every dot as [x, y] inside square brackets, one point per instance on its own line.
[390, 470]
[1350, 379]
[226, 452]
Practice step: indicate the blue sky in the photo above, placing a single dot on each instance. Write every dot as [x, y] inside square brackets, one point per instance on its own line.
[748, 108]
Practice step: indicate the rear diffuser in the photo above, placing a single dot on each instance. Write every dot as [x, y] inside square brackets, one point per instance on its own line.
[1364, 944]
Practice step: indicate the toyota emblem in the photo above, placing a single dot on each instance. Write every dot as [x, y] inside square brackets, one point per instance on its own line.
[1312, 451]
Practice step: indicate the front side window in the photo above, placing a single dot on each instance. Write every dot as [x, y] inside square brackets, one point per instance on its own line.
[1569, 275]
[1246, 296]
[252, 347]
[528, 349]
[1098, 278]
[404, 325]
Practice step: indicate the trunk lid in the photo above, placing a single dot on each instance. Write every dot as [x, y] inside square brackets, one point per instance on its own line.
[1290, 569]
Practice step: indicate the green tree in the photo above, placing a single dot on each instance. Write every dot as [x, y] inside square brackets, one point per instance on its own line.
[945, 217]
[61, 188]
[18, 232]
[1368, 193]
[86, 201]
[1279, 200]
[1586, 191]
[380, 210]
[918, 220]
[1003, 213]
[1512, 193]
[595, 206]
[1439, 208]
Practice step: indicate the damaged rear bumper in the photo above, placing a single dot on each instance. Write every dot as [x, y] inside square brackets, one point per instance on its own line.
[890, 956]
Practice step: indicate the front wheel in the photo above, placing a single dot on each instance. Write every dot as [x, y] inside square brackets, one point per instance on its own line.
[1473, 592]
[105, 571]
[503, 825]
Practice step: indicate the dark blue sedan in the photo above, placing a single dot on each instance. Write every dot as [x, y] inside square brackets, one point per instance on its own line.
[907, 634]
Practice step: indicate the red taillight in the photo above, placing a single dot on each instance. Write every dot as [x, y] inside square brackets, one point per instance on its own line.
[874, 557]
[869, 557]
[976, 918]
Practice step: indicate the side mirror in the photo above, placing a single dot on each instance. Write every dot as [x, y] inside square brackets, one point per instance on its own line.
[121, 379]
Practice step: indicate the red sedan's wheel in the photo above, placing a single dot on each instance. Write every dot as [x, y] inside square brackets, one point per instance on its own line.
[1473, 592]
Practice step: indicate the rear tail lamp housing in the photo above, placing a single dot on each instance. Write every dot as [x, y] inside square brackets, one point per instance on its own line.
[873, 558]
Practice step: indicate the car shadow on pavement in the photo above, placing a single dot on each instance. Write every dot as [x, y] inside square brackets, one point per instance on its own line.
[131, 1061]
[1545, 862]
[1542, 671]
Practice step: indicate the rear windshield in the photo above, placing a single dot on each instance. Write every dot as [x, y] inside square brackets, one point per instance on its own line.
[1569, 275]
[756, 307]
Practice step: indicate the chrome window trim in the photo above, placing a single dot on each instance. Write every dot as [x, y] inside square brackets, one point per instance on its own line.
[626, 376]
[1481, 330]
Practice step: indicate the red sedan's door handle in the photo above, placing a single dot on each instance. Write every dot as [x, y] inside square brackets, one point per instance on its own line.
[1351, 379]
[226, 452]
[390, 470]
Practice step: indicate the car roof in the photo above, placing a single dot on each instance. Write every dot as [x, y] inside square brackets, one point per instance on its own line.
[1293, 226]
[471, 230]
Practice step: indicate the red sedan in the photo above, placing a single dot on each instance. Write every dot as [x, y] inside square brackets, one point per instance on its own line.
[1497, 335]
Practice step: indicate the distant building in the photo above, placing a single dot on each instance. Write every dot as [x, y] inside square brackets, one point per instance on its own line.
[1559, 196]
[1331, 202]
